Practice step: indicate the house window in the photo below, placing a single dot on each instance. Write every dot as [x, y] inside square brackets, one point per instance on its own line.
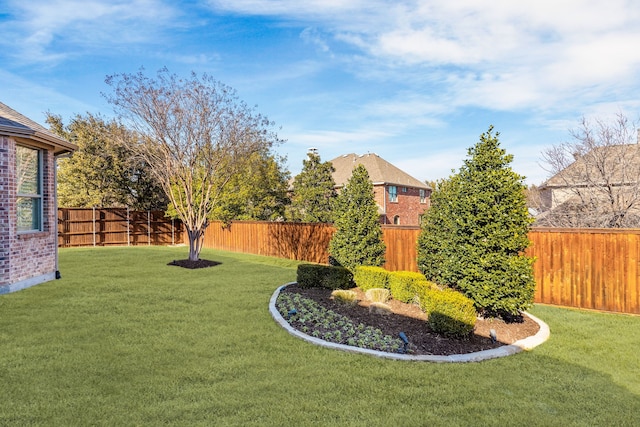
[404, 189]
[396, 220]
[423, 196]
[29, 194]
[393, 193]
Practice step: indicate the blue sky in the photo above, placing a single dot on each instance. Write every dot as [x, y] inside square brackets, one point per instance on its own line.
[416, 82]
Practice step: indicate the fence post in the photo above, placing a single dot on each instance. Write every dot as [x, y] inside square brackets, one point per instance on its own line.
[172, 233]
[94, 225]
[128, 228]
[148, 228]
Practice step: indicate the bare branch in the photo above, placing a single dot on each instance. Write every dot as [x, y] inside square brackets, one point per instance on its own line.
[197, 135]
[596, 181]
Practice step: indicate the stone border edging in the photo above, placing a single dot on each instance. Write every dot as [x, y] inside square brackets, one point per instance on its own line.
[525, 344]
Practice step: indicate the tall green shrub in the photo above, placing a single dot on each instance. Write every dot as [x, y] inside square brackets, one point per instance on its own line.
[358, 237]
[475, 233]
[313, 191]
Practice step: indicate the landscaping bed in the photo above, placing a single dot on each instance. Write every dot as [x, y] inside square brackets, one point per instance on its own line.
[411, 320]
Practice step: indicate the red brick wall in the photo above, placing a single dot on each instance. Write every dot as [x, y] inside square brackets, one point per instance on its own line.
[408, 207]
[25, 256]
[4, 210]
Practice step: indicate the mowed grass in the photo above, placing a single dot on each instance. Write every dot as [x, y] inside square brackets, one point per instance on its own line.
[123, 339]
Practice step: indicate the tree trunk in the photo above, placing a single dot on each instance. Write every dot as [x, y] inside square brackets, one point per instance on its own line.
[196, 238]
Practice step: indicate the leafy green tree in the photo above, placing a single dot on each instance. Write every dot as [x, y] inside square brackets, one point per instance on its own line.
[103, 172]
[258, 193]
[313, 191]
[476, 231]
[358, 237]
[196, 137]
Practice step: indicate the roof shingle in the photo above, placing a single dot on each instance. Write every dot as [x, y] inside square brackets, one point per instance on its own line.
[380, 171]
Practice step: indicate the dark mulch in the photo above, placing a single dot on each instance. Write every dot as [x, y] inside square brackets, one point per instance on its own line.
[186, 263]
[411, 320]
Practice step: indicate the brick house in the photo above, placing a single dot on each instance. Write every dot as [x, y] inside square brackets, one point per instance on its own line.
[28, 211]
[401, 198]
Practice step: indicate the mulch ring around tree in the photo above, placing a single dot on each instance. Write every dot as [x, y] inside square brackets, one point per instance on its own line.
[200, 263]
[411, 320]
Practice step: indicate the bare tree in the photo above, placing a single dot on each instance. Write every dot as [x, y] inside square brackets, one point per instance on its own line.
[196, 135]
[596, 177]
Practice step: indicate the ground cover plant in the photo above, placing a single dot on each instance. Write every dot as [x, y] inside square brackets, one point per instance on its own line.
[125, 339]
[314, 320]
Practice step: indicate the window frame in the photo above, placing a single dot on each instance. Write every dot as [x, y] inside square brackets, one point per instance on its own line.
[38, 197]
[393, 195]
[423, 195]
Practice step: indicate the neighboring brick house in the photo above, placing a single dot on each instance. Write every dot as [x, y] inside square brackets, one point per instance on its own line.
[28, 211]
[401, 198]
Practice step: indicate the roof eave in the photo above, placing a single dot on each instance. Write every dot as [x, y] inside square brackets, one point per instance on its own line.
[60, 146]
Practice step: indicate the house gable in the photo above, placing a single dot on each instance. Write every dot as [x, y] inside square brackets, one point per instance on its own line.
[606, 166]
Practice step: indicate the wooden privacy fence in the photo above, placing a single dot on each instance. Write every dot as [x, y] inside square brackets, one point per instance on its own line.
[305, 241]
[300, 241]
[584, 268]
[587, 268]
[116, 226]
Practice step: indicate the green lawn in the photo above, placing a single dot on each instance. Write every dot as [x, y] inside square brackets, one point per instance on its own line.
[123, 339]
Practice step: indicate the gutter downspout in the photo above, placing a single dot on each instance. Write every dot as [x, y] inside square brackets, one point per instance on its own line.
[384, 202]
[55, 205]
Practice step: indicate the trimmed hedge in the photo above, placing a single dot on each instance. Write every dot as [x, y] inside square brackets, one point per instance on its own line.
[449, 312]
[405, 285]
[367, 277]
[324, 276]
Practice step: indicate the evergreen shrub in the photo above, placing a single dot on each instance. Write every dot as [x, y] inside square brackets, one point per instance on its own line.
[449, 312]
[406, 285]
[324, 276]
[475, 234]
[367, 277]
[358, 236]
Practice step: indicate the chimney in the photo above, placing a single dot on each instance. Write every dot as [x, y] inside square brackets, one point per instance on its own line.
[638, 137]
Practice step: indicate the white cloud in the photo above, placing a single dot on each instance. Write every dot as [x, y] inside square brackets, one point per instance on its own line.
[312, 36]
[41, 28]
[328, 139]
[520, 54]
